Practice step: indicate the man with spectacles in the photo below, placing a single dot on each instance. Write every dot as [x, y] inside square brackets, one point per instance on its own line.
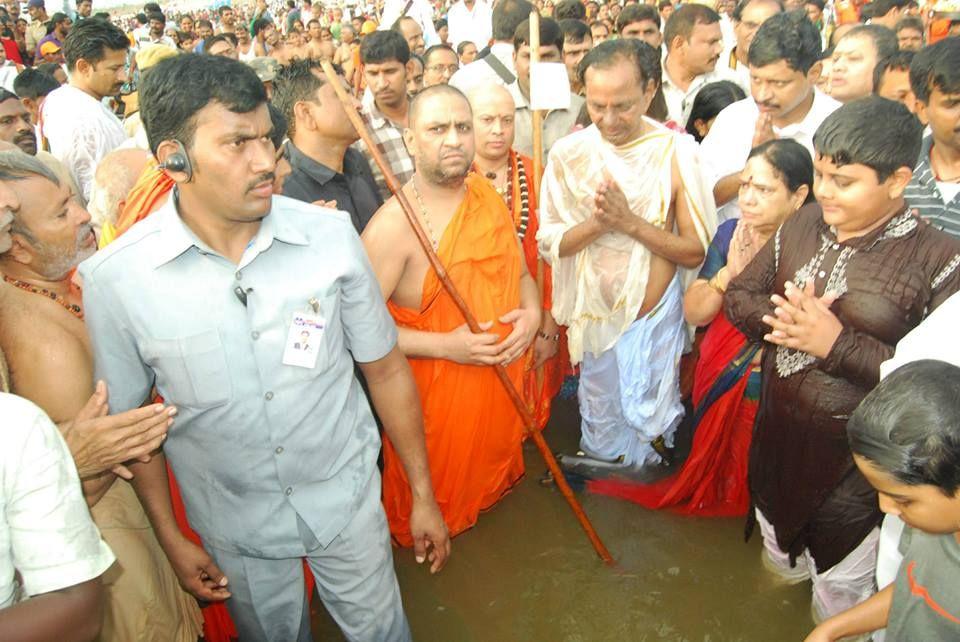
[440, 62]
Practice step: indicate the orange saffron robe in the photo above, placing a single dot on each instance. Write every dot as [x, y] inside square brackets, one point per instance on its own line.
[473, 431]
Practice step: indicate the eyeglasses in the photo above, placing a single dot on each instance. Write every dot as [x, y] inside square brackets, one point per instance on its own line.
[442, 68]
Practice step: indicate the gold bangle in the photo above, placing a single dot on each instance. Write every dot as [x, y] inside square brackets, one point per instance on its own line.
[715, 285]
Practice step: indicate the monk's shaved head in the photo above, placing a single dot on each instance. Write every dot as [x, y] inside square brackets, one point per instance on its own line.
[494, 112]
[433, 101]
[490, 95]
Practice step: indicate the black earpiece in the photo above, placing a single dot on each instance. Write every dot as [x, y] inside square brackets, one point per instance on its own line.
[178, 162]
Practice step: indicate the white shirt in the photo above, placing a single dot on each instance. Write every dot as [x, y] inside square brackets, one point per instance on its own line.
[474, 25]
[679, 101]
[8, 72]
[736, 70]
[934, 338]
[420, 10]
[80, 131]
[727, 146]
[479, 73]
[46, 532]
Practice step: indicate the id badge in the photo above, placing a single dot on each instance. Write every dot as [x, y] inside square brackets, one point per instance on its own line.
[304, 340]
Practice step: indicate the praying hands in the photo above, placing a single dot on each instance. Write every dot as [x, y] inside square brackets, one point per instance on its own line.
[803, 321]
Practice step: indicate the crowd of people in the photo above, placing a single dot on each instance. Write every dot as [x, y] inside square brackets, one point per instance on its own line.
[231, 372]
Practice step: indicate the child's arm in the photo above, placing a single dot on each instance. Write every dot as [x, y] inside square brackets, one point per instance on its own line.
[863, 618]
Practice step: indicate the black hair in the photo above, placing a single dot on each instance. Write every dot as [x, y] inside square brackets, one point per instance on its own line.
[260, 24]
[49, 68]
[645, 59]
[396, 24]
[417, 59]
[909, 425]
[90, 39]
[570, 10]
[575, 31]
[790, 161]
[156, 15]
[57, 18]
[142, 18]
[637, 13]
[872, 131]
[431, 50]
[883, 7]
[819, 4]
[789, 37]
[463, 45]
[177, 88]
[150, 7]
[909, 22]
[7, 95]
[598, 23]
[743, 4]
[899, 61]
[278, 133]
[384, 46]
[33, 83]
[884, 40]
[682, 21]
[507, 15]
[440, 23]
[550, 34]
[220, 37]
[222, 9]
[936, 66]
[710, 101]
[206, 23]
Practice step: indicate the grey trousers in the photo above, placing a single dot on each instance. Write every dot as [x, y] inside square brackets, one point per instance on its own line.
[355, 580]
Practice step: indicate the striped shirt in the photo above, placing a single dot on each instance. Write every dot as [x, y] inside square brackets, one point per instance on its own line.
[924, 196]
[389, 140]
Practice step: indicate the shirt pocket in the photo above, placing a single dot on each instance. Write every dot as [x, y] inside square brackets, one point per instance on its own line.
[191, 371]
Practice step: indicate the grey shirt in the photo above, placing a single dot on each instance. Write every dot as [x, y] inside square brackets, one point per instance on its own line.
[557, 123]
[256, 442]
[926, 594]
[923, 195]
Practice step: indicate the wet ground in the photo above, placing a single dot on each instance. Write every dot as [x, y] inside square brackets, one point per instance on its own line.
[526, 572]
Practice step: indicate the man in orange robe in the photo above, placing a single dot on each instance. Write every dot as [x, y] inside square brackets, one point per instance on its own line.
[512, 176]
[473, 431]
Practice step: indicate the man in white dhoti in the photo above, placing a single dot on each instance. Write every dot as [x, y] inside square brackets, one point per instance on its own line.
[625, 222]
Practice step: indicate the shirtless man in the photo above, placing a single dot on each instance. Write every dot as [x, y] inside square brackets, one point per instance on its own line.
[473, 445]
[44, 339]
[625, 218]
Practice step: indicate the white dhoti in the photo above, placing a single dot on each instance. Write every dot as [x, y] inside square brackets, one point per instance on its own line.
[630, 394]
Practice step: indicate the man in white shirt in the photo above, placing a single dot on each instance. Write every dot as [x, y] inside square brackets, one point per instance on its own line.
[154, 35]
[694, 44]
[78, 128]
[470, 20]
[46, 534]
[747, 18]
[496, 66]
[419, 10]
[784, 103]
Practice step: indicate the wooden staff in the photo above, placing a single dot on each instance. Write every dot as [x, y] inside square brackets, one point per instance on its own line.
[528, 420]
[537, 157]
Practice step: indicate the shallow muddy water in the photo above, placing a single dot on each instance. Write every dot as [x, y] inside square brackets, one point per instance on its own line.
[527, 572]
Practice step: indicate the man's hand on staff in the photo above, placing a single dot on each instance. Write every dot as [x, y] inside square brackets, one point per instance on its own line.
[101, 442]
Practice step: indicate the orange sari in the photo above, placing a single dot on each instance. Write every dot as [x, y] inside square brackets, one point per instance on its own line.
[473, 432]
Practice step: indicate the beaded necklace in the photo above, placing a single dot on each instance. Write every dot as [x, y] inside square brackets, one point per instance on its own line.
[72, 308]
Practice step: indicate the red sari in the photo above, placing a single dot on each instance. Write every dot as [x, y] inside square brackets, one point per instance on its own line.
[713, 480]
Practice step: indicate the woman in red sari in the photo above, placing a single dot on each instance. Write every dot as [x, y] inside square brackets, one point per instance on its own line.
[776, 182]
